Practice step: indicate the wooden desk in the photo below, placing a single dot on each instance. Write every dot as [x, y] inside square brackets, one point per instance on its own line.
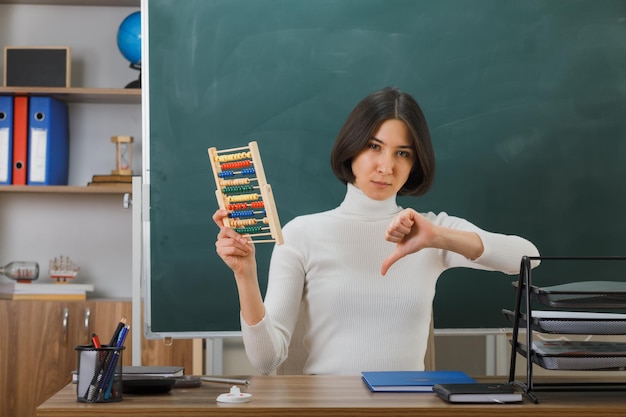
[327, 396]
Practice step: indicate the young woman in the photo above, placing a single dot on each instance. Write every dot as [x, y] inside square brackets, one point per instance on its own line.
[362, 276]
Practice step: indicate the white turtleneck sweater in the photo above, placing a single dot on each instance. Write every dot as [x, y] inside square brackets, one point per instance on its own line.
[355, 319]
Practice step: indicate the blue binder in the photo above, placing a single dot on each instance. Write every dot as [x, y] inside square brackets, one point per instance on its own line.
[48, 141]
[6, 140]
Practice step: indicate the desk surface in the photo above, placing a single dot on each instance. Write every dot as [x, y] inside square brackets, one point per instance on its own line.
[327, 396]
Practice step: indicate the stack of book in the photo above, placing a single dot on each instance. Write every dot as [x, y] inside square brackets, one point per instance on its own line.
[111, 180]
[44, 291]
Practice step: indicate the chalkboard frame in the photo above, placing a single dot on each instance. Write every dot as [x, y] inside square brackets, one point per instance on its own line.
[531, 136]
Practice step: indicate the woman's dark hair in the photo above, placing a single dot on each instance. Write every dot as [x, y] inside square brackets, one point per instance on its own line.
[364, 121]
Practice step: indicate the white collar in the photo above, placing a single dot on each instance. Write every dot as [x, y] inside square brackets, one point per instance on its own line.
[356, 203]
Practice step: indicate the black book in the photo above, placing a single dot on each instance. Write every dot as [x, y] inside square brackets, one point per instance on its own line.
[478, 393]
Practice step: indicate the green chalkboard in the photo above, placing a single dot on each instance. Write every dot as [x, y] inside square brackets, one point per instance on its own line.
[526, 102]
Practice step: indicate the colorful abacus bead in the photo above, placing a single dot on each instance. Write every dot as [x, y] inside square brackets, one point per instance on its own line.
[241, 213]
[232, 189]
[242, 223]
[242, 197]
[248, 171]
[233, 156]
[236, 181]
[236, 164]
[249, 230]
[243, 206]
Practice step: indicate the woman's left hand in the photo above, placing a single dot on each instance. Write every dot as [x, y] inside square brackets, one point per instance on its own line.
[411, 232]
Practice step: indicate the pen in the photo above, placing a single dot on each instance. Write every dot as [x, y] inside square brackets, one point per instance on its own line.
[225, 380]
[117, 331]
[107, 382]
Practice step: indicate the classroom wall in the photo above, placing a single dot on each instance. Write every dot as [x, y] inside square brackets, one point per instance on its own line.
[93, 230]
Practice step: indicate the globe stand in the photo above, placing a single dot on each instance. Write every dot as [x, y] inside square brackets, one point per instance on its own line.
[137, 82]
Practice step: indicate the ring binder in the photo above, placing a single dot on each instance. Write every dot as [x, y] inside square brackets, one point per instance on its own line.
[6, 139]
[48, 142]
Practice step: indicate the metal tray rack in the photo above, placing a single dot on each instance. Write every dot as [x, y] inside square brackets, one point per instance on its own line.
[564, 354]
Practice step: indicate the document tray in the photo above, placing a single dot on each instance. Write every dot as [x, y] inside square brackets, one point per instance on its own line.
[573, 322]
[578, 355]
[584, 294]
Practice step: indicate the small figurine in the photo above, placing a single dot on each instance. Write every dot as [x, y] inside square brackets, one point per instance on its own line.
[62, 269]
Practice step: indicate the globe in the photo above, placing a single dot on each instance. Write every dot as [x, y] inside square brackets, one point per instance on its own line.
[129, 38]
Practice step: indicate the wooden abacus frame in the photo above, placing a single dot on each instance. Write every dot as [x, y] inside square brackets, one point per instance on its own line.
[236, 193]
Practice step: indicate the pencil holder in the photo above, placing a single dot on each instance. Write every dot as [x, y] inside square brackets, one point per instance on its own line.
[99, 374]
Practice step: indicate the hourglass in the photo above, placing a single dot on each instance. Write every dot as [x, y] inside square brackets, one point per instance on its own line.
[124, 155]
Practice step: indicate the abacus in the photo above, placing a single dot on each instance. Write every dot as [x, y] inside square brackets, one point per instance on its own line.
[244, 192]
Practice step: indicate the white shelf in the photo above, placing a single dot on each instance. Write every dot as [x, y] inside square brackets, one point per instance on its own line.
[67, 189]
[114, 3]
[81, 95]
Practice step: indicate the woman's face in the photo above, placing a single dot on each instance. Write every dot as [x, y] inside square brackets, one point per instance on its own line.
[384, 165]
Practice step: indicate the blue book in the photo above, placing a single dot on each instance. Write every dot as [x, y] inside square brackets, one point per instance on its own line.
[412, 381]
[48, 141]
[6, 140]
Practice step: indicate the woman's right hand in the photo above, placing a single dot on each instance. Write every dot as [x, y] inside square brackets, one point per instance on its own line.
[237, 251]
